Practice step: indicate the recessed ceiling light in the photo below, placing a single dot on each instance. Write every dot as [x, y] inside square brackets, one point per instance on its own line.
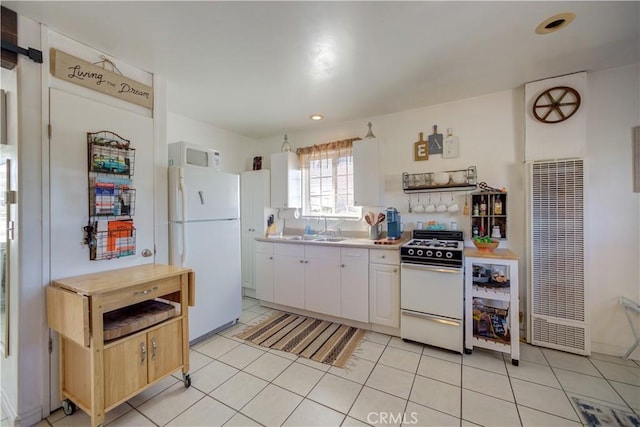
[316, 117]
[555, 23]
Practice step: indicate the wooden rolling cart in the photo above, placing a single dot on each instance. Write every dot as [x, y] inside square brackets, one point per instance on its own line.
[491, 301]
[97, 375]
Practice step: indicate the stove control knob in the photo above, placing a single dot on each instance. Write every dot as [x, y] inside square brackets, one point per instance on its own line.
[438, 254]
[410, 251]
[420, 252]
[449, 254]
[429, 253]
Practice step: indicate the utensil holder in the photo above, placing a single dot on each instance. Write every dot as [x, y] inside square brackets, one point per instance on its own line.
[374, 232]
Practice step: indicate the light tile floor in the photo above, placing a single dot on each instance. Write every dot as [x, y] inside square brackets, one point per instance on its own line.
[387, 382]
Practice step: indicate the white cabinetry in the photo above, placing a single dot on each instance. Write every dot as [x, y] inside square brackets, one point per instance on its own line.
[491, 303]
[354, 284]
[264, 270]
[322, 279]
[384, 287]
[288, 274]
[286, 185]
[368, 174]
[254, 200]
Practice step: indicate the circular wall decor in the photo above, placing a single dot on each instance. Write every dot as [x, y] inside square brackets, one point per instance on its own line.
[556, 104]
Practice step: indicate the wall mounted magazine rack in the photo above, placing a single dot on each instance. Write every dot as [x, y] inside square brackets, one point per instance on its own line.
[110, 232]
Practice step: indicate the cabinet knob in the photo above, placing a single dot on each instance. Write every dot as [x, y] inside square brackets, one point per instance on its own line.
[270, 257]
[342, 265]
[383, 256]
[301, 261]
[306, 262]
[395, 270]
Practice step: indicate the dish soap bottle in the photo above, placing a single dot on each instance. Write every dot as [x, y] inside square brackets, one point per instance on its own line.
[307, 228]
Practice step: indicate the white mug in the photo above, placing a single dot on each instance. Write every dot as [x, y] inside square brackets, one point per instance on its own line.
[453, 208]
[441, 207]
[430, 208]
[418, 208]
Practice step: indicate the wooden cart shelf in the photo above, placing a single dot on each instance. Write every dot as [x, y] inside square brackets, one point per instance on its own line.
[97, 376]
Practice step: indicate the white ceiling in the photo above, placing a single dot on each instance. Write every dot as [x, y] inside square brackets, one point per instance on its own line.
[262, 68]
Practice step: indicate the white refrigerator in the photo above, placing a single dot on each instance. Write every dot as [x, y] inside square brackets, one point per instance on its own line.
[204, 235]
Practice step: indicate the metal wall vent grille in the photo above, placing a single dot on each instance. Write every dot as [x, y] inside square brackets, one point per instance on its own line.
[557, 249]
[559, 335]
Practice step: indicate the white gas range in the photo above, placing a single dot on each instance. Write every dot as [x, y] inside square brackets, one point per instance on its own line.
[432, 289]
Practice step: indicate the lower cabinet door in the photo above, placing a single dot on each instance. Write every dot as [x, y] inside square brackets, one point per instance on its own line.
[384, 295]
[165, 350]
[125, 368]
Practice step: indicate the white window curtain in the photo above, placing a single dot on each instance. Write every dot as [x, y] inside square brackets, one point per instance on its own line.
[327, 177]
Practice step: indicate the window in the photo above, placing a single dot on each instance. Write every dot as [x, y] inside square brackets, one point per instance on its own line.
[327, 180]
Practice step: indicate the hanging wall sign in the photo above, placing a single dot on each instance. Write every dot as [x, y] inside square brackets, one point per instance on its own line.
[92, 76]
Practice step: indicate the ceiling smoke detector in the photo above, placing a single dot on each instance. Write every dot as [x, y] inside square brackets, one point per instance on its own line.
[555, 23]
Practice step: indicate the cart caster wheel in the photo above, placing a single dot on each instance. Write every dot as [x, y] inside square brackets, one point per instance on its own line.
[68, 407]
[467, 351]
[186, 379]
[515, 362]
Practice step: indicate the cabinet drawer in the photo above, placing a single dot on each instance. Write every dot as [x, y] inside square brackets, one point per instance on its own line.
[354, 255]
[264, 247]
[68, 314]
[138, 293]
[384, 256]
[312, 251]
[288, 249]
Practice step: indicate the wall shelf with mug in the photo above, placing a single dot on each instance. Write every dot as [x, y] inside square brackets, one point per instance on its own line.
[430, 182]
[489, 214]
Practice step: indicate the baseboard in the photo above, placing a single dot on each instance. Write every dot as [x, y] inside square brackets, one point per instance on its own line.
[8, 410]
[248, 292]
[27, 419]
[613, 350]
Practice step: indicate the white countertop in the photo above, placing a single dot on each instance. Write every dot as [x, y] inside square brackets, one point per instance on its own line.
[348, 242]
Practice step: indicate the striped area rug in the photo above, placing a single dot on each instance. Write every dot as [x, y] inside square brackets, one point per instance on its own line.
[319, 340]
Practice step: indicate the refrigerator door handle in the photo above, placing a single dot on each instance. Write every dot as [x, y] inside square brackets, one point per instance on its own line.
[183, 199]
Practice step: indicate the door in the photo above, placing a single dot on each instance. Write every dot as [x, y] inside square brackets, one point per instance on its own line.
[432, 290]
[322, 279]
[212, 250]
[165, 350]
[197, 194]
[384, 295]
[288, 275]
[71, 117]
[354, 280]
[125, 368]
[264, 276]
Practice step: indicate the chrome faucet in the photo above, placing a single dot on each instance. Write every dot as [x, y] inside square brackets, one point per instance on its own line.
[325, 225]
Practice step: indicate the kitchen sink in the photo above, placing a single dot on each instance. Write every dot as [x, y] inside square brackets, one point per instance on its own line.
[329, 239]
[315, 238]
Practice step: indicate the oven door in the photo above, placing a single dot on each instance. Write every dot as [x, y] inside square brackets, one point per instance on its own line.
[432, 290]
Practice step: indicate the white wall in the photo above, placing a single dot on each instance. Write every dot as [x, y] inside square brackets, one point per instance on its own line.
[491, 133]
[612, 208]
[236, 151]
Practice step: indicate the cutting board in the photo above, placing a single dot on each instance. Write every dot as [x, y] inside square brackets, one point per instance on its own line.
[435, 141]
[133, 318]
